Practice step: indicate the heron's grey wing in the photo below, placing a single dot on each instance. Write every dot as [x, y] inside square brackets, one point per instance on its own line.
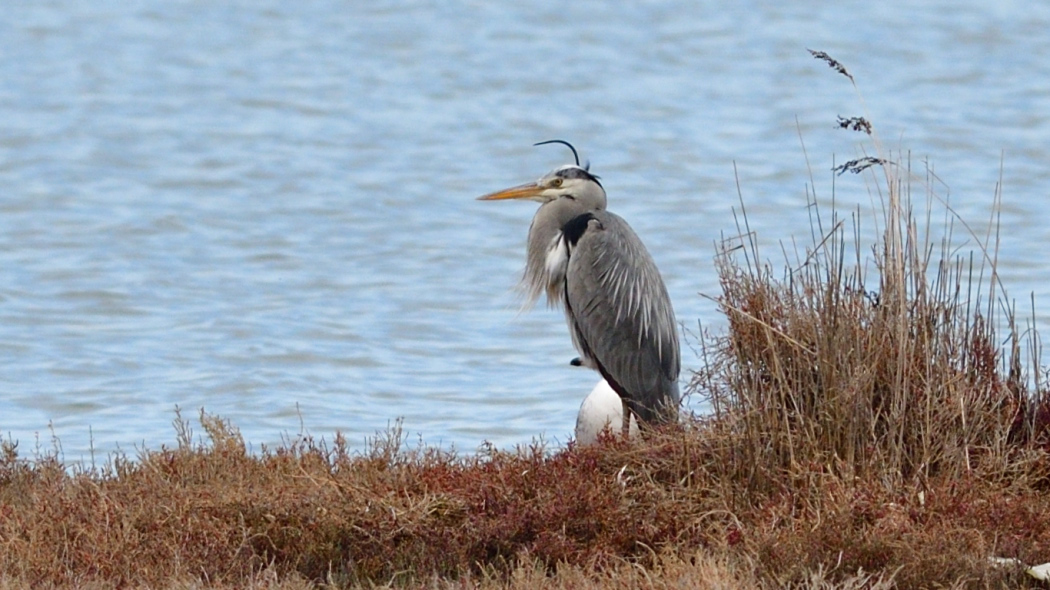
[621, 316]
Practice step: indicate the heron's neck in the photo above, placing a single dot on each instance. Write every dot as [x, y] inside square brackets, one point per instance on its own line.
[543, 235]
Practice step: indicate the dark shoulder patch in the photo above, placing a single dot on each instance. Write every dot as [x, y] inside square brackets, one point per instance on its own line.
[575, 228]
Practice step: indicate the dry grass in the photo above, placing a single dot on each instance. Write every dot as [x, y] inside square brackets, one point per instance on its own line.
[903, 379]
[671, 511]
[868, 432]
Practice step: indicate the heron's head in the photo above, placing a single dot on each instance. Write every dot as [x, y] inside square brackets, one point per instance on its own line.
[568, 182]
[571, 182]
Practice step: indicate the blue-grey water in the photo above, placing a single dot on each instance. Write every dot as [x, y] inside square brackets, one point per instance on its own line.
[266, 209]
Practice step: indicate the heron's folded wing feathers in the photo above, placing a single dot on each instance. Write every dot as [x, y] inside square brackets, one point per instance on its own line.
[620, 313]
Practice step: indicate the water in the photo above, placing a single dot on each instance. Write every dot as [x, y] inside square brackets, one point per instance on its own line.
[267, 210]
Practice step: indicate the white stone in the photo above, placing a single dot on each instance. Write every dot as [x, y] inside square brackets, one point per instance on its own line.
[601, 409]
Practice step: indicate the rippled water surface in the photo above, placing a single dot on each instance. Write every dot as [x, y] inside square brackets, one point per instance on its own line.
[267, 210]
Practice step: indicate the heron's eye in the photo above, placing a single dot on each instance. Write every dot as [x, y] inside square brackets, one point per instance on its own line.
[556, 182]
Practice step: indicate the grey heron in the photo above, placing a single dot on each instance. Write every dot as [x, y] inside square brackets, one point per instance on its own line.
[591, 262]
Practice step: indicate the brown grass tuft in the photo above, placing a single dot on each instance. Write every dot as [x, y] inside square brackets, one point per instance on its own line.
[899, 377]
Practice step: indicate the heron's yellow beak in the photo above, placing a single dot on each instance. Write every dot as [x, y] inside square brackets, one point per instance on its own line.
[529, 190]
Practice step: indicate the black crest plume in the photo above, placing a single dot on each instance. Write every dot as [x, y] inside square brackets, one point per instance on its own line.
[565, 143]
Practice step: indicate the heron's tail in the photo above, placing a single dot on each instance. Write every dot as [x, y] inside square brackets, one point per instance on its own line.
[659, 407]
